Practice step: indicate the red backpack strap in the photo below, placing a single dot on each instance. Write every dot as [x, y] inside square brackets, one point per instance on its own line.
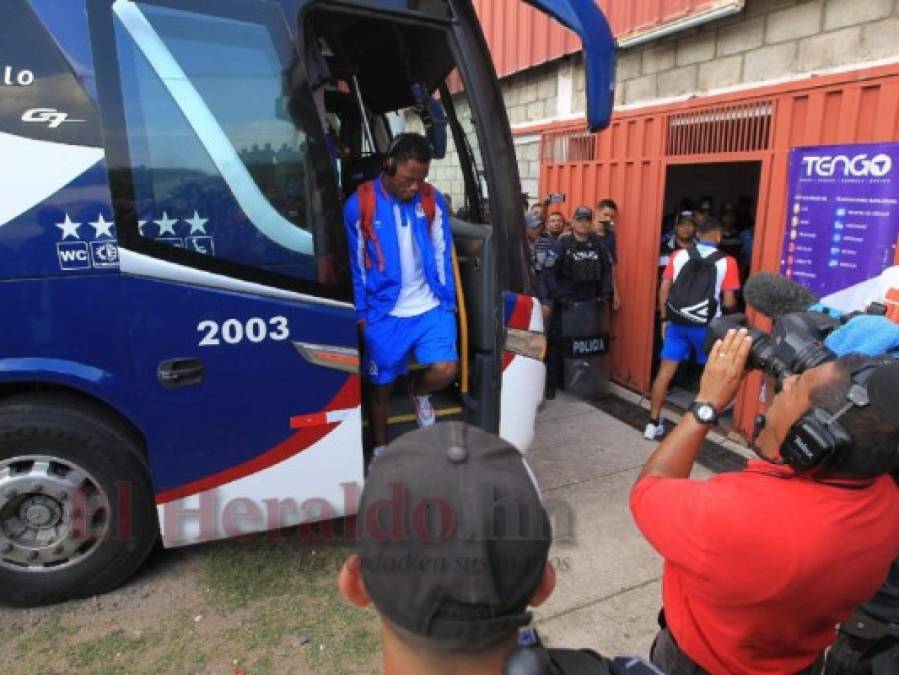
[367, 203]
[428, 202]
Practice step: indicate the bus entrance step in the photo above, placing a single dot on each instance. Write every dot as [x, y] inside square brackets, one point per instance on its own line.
[446, 404]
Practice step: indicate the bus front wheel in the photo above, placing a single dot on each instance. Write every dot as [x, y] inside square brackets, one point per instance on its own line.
[76, 506]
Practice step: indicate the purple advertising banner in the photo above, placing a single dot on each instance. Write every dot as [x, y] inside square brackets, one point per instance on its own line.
[842, 219]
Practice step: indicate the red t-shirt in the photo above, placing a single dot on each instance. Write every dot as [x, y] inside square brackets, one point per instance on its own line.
[758, 568]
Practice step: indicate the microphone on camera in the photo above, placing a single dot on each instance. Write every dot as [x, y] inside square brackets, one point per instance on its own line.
[775, 295]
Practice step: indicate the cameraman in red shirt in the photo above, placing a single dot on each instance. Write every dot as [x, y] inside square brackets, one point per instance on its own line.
[761, 564]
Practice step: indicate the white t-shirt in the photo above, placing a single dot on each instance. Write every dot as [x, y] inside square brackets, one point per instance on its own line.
[416, 297]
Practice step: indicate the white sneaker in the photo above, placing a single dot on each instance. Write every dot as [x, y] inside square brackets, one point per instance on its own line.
[654, 432]
[378, 451]
[424, 411]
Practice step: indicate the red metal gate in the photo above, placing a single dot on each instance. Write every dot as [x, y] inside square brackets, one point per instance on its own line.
[628, 161]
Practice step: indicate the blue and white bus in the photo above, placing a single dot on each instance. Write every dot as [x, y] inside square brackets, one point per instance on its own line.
[178, 355]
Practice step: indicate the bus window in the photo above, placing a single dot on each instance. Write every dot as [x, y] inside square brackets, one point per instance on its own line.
[221, 164]
[377, 87]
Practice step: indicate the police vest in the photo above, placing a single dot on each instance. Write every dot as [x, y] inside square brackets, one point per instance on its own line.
[583, 262]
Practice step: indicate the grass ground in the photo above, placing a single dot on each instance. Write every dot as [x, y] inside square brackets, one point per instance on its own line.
[253, 606]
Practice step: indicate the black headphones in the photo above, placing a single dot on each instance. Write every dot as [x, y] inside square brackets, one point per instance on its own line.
[390, 163]
[817, 437]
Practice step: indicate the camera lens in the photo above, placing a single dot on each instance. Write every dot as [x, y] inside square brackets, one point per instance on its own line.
[798, 343]
[811, 355]
[794, 347]
[763, 355]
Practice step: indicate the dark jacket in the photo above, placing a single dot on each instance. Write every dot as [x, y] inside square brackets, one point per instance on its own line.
[611, 244]
[540, 248]
[575, 270]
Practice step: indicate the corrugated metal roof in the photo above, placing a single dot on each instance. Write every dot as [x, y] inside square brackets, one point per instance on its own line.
[520, 37]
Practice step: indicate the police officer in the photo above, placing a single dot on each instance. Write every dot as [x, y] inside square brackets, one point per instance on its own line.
[577, 268]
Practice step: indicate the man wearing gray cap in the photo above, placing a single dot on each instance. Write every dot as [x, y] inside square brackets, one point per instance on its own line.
[452, 547]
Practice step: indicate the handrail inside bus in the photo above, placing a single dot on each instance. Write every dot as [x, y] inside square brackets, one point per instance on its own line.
[463, 327]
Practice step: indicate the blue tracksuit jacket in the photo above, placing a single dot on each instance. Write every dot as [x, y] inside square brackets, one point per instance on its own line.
[376, 292]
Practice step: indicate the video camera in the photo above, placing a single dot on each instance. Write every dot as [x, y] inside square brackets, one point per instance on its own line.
[801, 325]
[796, 342]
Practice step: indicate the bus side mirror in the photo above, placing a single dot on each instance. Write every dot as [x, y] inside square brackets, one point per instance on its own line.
[586, 19]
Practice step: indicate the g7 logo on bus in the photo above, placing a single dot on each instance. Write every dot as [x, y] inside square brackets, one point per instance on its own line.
[51, 116]
[235, 331]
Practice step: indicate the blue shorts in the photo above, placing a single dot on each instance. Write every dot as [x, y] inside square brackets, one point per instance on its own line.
[389, 341]
[680, 340]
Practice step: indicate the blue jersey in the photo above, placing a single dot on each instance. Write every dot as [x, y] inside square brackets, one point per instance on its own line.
[376, 290]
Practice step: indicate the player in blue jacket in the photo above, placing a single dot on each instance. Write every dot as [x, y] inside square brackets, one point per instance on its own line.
[401, 258]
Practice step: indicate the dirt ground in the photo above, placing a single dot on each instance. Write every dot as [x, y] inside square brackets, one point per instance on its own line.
[252, 606]
[265, 605]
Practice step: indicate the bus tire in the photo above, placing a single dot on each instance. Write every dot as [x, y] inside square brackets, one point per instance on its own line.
[76, 503]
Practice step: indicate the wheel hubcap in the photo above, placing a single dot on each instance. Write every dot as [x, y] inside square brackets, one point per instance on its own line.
[41, 512]
[52, 513]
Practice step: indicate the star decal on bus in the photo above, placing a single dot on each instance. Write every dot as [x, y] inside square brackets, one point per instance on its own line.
[196, 223]
[166, 224]
[68, 228]
[102, 227]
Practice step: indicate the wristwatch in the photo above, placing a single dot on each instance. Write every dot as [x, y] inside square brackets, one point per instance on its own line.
[704, 413]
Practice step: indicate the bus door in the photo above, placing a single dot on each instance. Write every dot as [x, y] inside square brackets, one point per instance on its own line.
[230, 237]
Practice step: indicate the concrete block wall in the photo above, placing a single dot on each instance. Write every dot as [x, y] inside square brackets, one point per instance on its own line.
[768, 40]
[445, 174]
